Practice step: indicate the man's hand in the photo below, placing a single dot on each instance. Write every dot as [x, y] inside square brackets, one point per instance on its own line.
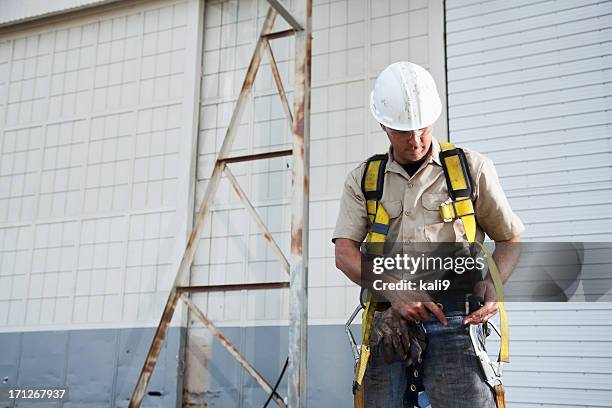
[506, 257]
[483, 290]
[416, 311]
[401, 340]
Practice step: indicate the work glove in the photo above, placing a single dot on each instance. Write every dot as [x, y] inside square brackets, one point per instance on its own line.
[402, 340]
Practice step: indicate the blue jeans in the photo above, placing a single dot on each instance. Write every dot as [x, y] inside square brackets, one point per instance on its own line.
[452, 375]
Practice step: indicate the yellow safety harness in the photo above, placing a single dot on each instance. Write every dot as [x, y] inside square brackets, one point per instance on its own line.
[458, 206]
[372, 187]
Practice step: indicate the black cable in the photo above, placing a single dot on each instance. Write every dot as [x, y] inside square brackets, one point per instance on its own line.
[280, 377]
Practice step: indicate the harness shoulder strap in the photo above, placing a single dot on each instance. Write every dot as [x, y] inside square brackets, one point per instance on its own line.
[372, 185]
[460, 189]
[373, 181]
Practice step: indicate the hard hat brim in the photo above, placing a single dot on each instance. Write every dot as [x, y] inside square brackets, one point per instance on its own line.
[437, 109]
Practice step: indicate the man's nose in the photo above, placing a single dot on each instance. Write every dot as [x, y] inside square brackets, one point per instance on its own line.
[414, 136]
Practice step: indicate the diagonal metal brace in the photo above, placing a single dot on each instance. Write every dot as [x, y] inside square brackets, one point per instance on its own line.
[279, 85]
[260, 224]
[233, 350]
[283, 11]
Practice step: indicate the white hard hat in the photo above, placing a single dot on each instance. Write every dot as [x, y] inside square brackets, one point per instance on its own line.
[405, 97]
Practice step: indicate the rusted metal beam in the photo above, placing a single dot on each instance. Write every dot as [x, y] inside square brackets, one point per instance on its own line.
[298, 293]
[279, 85]
[257, 156]
[233, 350]
[247, 85]
[280, 34]
[260, 224]
[286, 14]
[233, 287]
[154, 350]
[185, 265]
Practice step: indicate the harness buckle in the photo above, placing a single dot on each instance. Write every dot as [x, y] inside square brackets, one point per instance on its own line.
[446, 213]
[449, 211]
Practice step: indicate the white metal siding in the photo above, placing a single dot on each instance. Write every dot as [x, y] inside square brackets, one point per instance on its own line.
[353, 40]
[529, 85]
[13, 12]
[95, 124]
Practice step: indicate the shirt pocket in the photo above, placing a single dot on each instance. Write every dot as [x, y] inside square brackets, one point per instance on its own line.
[431, 205]
[393, 208]
[435, 229]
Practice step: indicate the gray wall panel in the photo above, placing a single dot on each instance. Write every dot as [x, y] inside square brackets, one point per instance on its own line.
[330, 366]
[9, 358]
[43, 361]
[87, 385]
[99, 367]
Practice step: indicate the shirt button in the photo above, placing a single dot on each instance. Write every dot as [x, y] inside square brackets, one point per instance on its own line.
[407, 213]
[410, 185]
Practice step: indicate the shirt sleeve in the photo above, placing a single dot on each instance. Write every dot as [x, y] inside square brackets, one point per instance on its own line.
[352, 220]
[493, 211]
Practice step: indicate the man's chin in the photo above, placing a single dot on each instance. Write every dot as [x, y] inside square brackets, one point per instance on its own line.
[414, 157]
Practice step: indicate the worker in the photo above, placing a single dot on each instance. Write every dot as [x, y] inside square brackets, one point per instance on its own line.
[405, 103]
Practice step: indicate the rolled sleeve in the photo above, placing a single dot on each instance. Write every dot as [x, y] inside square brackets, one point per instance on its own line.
[353, 217]
[493, 211]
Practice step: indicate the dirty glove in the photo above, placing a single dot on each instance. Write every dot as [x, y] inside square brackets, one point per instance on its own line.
[402, 340]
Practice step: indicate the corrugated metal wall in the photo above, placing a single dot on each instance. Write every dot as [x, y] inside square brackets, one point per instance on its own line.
[529, 85]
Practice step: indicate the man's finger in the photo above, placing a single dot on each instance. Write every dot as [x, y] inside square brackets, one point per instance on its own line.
[485, 318]
[433, 308]
[491, 313]
[482, 315]
[423, 313]
[412, 314]
[473, 318]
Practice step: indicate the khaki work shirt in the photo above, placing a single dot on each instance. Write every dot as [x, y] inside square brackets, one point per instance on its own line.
[413, 203]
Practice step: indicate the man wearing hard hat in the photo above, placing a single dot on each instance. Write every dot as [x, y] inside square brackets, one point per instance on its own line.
[422, 190]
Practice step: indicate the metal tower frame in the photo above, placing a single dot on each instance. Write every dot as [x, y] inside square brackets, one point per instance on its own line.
[297, 266]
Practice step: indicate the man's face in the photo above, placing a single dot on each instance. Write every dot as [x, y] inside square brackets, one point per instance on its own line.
[409, 146]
